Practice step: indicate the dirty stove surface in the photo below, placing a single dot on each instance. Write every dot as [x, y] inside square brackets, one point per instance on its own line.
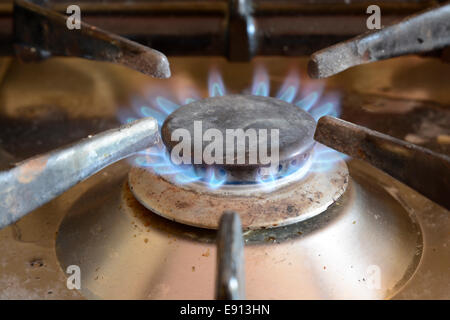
[125, 251]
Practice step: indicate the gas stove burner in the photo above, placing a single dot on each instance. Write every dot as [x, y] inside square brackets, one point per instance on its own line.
[295, 127]
[294, 192]
[195, 205]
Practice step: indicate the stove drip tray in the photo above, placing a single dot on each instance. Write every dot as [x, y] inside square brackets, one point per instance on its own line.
[364, 246]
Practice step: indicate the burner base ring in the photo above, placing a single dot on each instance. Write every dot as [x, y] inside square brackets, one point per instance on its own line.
[190, 205]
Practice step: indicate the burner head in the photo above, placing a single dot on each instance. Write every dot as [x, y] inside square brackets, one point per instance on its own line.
[295, 128]
[292, 197]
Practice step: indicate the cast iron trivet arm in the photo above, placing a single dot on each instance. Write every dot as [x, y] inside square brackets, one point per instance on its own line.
[230, 277]
[421, 169]
[36, 181]
[419, 33]
[40, 33]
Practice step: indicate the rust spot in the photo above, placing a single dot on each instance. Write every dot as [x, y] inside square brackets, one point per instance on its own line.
[28, 171]
[361, 154]
[206, 254]
[36, 263]
[366, 56]
[182, 205]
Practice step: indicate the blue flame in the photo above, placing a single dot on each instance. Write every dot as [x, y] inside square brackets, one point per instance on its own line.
[289, 88]
[186, 92]
[214, 180]
[216, 87]
[288, 94]
[127, 116]
[325, 158]
[188, 175]
[309, 101]
[261, 89]
[265, 180]
[269, 182]
[261, 84]
[166, 105]
[326, 109]
[146, 111]
[158, 159]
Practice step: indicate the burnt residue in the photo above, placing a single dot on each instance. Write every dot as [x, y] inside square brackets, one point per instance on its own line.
[197, 205]
[400, 117]
[34, 133]
[151, 221]
[36, 263]
[276, 234]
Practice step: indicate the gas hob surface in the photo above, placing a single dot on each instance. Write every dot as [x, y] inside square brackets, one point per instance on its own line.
[125, 251]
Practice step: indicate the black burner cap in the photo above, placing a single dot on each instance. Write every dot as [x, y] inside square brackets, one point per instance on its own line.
[296, 127]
